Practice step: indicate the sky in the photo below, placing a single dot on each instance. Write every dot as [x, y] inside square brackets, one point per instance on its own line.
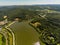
[27, 2]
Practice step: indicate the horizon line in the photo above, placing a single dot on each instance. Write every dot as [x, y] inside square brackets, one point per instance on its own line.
[28, 4]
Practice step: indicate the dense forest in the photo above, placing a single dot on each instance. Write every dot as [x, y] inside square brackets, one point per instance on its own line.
[28, 12]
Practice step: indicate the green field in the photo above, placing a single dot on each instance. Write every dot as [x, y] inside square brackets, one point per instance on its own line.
[25, 34]
[2, 40]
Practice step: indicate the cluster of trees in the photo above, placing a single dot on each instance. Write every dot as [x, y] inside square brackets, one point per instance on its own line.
[17, 12]
[26, 12]
[49, 31]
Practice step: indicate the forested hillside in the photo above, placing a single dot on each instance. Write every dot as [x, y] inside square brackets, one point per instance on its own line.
[29, 12]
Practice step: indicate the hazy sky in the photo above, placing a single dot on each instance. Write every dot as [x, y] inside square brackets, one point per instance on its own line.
[28, 2]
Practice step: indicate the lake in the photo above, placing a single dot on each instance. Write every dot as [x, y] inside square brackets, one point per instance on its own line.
[25, 34]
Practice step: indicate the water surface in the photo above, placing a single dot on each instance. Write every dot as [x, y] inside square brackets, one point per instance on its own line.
[25, 34]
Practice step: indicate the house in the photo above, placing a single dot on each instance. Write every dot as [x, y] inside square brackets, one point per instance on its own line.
[36, 24]
[3, 22]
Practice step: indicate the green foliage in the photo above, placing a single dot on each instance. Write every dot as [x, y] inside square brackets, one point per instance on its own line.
[2, 40]
[49, 31]
[50, 25]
